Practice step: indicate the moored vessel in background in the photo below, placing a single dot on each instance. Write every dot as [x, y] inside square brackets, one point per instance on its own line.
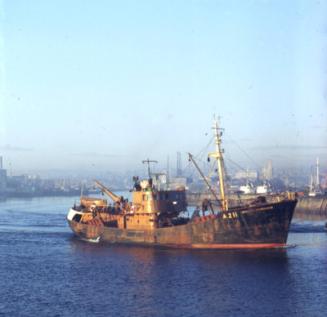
[153, 217]
[263, 189]
[247, 189]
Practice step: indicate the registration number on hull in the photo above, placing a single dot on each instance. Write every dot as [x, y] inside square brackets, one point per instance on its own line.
[230, 215]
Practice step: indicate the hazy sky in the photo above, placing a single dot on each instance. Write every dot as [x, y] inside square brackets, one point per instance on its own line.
[105, 84]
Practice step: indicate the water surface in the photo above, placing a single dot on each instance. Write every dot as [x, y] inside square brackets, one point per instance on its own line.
[46, 271]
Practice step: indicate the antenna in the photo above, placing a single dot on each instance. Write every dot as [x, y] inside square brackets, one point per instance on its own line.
[148, 161]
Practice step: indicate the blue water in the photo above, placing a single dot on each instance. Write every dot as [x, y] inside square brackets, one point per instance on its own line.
[45, 271]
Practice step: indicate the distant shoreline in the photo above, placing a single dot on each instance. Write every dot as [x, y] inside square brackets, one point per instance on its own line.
[52, 194]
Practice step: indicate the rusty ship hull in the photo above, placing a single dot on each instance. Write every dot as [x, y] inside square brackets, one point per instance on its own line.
[264, 226]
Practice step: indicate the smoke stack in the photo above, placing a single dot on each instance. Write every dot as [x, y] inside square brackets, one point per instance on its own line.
[317, 176]
[179, 165]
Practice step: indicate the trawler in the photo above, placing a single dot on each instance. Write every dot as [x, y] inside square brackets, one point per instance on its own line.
[153, 217]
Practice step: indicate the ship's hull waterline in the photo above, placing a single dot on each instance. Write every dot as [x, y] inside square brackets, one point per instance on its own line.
[264, 226]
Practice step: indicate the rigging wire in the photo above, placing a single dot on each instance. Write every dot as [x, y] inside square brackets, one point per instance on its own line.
[244, 152]
[236, 164]
[200, 153]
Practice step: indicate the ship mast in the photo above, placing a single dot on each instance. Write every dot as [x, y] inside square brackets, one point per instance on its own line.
[148, 161]
[218, 155]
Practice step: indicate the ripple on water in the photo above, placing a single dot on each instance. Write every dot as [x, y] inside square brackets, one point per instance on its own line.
[45, 271]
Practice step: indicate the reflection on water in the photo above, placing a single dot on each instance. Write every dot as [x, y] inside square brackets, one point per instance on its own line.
[45, 270]
[166, 281]
[269, 282]
[308, 223]
[309, 217]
